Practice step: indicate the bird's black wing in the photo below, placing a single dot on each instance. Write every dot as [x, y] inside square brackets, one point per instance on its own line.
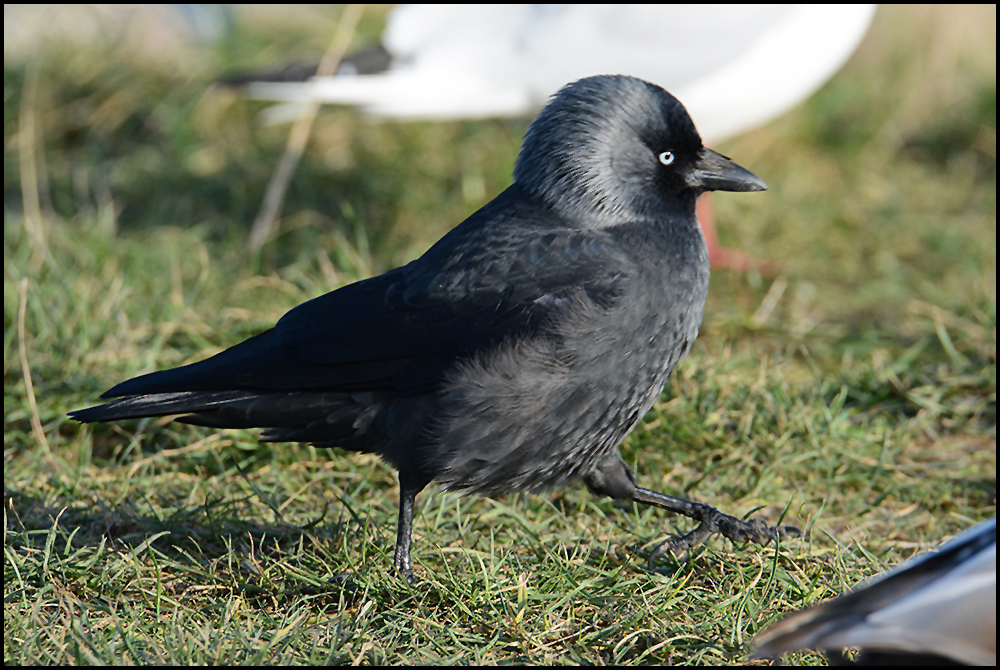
[504, 272]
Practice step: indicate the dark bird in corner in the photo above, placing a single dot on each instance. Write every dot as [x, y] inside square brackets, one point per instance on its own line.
[522, 347]
[939, 608]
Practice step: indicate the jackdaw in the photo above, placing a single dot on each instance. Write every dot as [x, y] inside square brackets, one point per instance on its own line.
[522, 347]
[939, 608]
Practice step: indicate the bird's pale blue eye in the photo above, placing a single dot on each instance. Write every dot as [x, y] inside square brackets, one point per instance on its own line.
[667, 157]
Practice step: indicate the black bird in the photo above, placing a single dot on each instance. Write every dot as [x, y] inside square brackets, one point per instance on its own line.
[939, 608]
[523, 346]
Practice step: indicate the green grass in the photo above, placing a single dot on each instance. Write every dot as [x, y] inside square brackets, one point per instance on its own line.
[854, 393]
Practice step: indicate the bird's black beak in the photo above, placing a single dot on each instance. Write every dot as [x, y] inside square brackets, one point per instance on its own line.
[715, 172]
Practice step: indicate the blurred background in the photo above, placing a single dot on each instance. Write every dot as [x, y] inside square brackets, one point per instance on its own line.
[859, 378]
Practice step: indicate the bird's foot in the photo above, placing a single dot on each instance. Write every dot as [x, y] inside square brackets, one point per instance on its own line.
[711, 521]
[403, 569]
[737, 530]
[721, 257]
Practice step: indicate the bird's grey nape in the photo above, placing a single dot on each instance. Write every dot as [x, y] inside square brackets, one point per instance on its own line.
[588, 153]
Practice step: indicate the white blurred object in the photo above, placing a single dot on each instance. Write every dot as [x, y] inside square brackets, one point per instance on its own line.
[940, 604]
[733, 66]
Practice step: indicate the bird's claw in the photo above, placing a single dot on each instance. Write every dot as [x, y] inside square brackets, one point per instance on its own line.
[737, 530]
[754, 530]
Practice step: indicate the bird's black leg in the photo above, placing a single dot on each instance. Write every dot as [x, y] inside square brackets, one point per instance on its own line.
[615, 479]
[404, 532]
[411, 482]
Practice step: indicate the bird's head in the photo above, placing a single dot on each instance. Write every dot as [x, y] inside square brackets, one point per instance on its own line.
[612, 149]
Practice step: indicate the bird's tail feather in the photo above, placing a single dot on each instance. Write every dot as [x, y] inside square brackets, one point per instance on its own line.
[329, 419]
[158, 404]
